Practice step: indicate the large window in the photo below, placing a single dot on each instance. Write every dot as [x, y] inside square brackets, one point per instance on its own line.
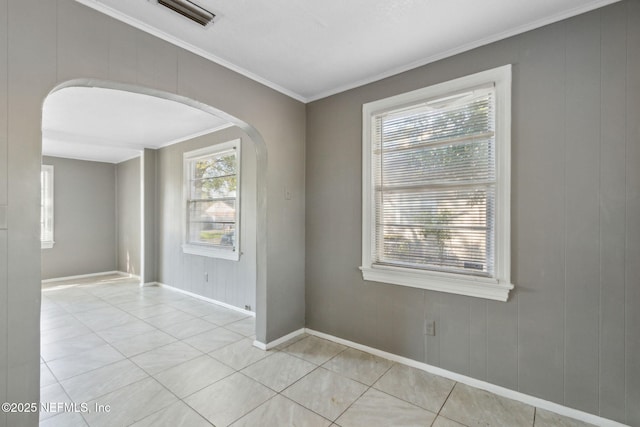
[212, 201]
[46, 207]
[436, 187]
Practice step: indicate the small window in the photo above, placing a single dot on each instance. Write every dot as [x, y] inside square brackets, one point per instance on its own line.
[46, 207]
[212, 201]
[436, 194]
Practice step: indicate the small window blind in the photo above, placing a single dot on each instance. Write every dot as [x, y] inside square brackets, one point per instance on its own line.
[434, 174]
[46, 204]
[212, 199]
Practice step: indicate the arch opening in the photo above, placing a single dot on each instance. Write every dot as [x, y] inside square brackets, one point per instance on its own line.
[260, 149]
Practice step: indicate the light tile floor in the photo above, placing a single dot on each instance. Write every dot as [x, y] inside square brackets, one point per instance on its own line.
[161, 358]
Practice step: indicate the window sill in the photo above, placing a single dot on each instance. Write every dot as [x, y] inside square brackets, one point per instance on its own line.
[47, 245]
[211, 252]
[478, 287]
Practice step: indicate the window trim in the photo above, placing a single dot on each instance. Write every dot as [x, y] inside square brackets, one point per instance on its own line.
[207, 250]
[48, 244]
[496, 287]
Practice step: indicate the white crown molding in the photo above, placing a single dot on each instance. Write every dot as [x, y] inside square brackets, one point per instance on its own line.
[87, 159]
[195, 135]
[589, 6]
[75, 138]
[93, 4]
[596, 4]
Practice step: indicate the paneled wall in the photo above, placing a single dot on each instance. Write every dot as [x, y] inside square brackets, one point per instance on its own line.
[128, 211]
[84, 217]
[4, 201]
[232, 282]
[150, 213]
[96, 218]
[570, 332]
[45, 43]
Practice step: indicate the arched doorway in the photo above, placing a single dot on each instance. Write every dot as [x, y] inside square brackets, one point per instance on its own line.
[261, 159]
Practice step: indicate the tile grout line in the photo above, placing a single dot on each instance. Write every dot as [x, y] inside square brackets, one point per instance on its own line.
[307, 374]
[279, 349]
[148, 375]
[447, 398]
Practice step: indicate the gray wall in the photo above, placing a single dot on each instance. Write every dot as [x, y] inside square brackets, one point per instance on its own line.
[232, 282]
[43, 44]
[150, 212]
[84, 217]
[128, 211]
[570, 332]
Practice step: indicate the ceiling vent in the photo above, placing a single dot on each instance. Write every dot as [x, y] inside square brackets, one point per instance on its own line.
[189, 10]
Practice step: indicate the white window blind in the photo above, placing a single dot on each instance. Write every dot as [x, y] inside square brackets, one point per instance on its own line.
[436, 187]
[212, 200]
[46, 206]
[435, 177]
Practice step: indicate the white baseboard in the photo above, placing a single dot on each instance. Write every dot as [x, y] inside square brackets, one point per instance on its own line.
[272, 344]
[473, 382]
[125, 274]
[260, 345]
[203, 298]
[500, 391]
[80, 276]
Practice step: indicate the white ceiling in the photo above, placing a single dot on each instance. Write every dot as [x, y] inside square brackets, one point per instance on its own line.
[305, 49]
[312, 49]
[107, 125]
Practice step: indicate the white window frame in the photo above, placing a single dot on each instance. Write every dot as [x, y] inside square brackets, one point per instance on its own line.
[47, 208]
[203, 249]
[496, 287]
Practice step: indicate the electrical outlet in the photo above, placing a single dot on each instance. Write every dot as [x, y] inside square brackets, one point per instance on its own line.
[287, 193]
[206, 277]
[429, 327]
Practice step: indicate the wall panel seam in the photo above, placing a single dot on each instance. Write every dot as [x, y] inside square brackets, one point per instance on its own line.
[600, 223]
[6, 171]
[564, 213]
[599, 358]
[626, 236]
